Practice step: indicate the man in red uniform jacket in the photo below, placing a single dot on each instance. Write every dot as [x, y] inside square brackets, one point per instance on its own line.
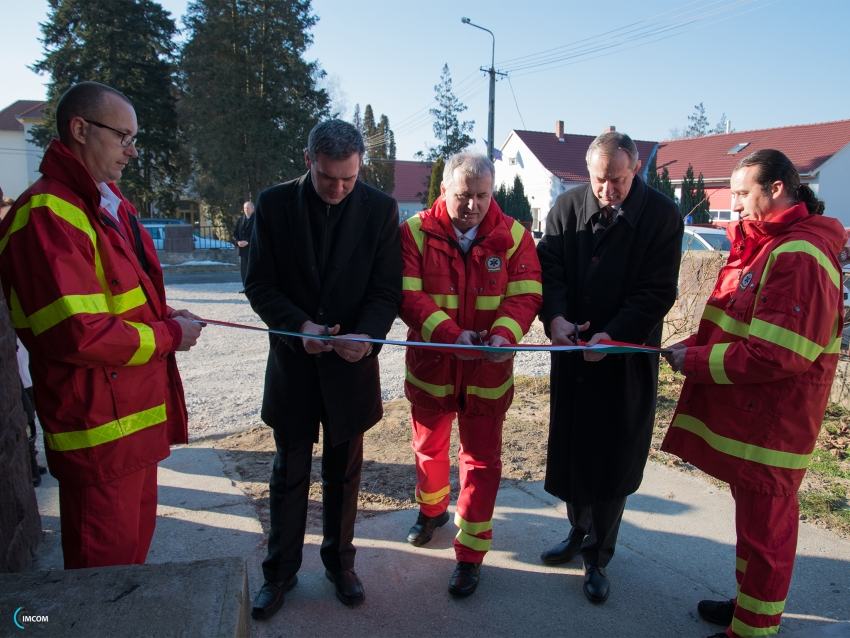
[471, 276]
[87, 299]
[758, 375]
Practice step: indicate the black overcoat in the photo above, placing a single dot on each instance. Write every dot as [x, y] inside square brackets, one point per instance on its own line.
[242, 231]
[361, 292]
[602, 413]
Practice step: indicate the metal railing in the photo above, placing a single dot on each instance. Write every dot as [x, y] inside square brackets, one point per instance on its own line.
[207, 237]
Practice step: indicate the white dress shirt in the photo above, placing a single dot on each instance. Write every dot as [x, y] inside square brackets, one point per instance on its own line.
[465, 238]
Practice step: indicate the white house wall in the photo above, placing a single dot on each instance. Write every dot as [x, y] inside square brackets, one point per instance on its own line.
[13, 163]
[541, 186]
[831, 186]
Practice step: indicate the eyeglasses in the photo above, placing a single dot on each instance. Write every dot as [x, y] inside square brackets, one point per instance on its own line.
[126, 138]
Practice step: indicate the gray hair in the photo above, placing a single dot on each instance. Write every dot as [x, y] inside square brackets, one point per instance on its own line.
[474, 165]
[609, 143]
[336, 139]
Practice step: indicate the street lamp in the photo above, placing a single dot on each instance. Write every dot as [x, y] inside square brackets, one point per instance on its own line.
[492, 72]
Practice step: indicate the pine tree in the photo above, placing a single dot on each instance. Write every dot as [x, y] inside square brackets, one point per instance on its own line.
[686, 202]
[249, 97]
[666, 186]
[502, 196]
[520, 207]
[652, 178]
[698, 126]
[378, 167]
[452, 134]
[436, 180]
[701, 214]
[720, 128]
[125, 44]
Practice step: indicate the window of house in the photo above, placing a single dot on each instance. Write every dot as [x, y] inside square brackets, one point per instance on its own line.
[512, 160]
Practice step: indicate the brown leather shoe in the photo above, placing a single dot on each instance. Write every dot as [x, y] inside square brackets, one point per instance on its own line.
[422, 532]
[349, 589]
[270, 598]
[464, 581]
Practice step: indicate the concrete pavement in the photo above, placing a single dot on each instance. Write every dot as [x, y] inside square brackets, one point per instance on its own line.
[676, 547]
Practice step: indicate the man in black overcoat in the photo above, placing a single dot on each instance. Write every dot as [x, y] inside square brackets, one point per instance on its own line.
[325, 260]
[242, 231]
[610, 261]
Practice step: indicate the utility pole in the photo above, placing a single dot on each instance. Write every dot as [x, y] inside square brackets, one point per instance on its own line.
[491, 122]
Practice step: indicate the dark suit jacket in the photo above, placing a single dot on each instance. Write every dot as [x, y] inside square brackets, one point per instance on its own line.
[361, 292]
[602, 413]
[242, 231]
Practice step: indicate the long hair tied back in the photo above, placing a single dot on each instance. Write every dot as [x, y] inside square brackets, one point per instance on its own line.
[774, 166]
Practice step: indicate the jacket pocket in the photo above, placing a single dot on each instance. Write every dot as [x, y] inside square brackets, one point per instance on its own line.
[137, 389]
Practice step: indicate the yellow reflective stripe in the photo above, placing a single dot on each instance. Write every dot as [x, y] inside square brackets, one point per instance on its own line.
[741, 450]
[726, 323]
[415, 223]
[786, 338]
[147, 344]
[801, 246]
[432, 322]
[715, 363]
[741, 565]
[22, 216]
[524, 287]
[517, 231]
[473, 528]
[19, 319]
[128, 300]
[445, 301]
[511, 325]
[759, 606]
[488, 302]
[473, 542]
[833, 347]
[67, 441]
[411, 283]
[430, 388]
[65, 307]
[432, 499]
[745, 631]
[490, 393]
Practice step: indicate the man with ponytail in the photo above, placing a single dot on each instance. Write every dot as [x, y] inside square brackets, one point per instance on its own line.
[758, 375]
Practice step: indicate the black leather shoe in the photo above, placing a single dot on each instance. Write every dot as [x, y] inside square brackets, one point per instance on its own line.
[349, 589]
[270, 598]
[422, 532]
[596, 586]
[465, 579]
[563, 552]
[718, 612]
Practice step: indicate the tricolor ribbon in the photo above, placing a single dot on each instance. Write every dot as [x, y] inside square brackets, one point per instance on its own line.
[604, 346]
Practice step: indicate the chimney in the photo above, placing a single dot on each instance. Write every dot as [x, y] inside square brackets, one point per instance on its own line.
[610, 129]
[559, 130]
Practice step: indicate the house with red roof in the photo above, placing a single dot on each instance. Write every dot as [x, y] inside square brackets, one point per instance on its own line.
[411, 183]
[19, 157]
[550, 163]
[821, 153]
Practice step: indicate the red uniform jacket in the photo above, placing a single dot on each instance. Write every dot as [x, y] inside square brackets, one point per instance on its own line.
[496, 287]
[759, 370]
[101, 345]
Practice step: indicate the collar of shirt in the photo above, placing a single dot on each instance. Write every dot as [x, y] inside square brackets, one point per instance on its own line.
[465, 238]
[109, 200]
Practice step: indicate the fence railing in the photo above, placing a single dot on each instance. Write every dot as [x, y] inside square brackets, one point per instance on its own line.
[207, 237]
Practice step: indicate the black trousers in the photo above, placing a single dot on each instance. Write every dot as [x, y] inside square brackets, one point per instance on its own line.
[598, 525]
[243, 267]
[288, 492]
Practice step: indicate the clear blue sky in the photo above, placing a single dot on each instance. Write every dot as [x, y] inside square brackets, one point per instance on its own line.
[765, 63]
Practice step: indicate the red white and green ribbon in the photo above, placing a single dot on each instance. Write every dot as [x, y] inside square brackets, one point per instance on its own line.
[603, 347]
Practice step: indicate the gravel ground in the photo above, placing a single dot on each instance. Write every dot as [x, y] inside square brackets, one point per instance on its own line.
[223, 374]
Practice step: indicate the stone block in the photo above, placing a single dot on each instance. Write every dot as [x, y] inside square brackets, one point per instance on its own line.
[203, 598]
[20, 523]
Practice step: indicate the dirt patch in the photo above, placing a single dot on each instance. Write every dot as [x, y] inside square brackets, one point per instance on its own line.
[388, 480]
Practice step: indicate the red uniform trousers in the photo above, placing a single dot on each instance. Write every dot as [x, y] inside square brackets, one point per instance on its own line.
[764, 559]
[110, 523]
[480, 469]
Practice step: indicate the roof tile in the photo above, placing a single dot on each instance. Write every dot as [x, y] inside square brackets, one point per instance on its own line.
[21, 107]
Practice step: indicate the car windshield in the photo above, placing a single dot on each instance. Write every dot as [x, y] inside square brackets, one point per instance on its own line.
[717, 241]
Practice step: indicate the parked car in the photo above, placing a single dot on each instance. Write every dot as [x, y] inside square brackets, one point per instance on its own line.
[704, 238]
[845, 272]
[160, 221]
[157, 232]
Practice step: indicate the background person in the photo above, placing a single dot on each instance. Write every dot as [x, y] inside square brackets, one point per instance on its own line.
[610, 260]
[470, 274]
[325, 259]
[758, 375]
[86, 296]
[242, 235]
